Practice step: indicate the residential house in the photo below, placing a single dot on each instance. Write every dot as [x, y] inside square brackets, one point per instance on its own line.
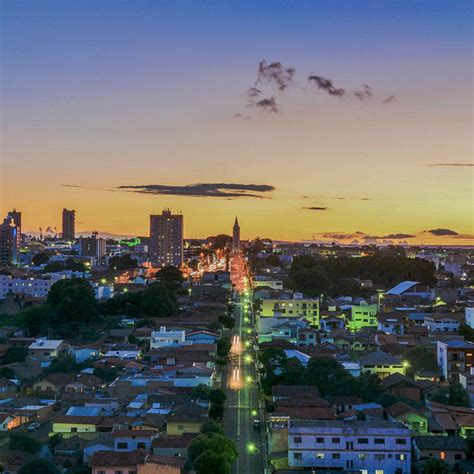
[351, 446]
[168, 338]
[53, 385]
[8, 389]
[415, 420]
[85, 427]
[402, 386]
[381, 364]
[391, 323]
[172, 446]
[43, 351]
[135, 462]
[443, 323]
[131, 440]
[450, 449]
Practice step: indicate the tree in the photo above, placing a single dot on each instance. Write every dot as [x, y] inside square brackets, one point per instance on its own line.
[54, 441]
[227, 321]
[15, 354]
[273, 260]
[22, 442]
[7, 373]
[72, 301]
[216, 411]
[212, 427]
[170, 274]
[467, 332]
[311, 281]
[40, 258]
[214, 442]
[458, 396]
[38, 466]
[435, 466]
[157, 301]
[108, 374]
[210, 461]
[122, 262]
[328, 375]
[64, 364]
[223, 347]
[217, 396]
[201, 391]
[420, 358]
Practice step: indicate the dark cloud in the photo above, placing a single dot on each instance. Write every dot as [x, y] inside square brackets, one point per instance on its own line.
[451, 164]
[398, 236]
[267, 105]
[315, 208]
[442, 232]
[390, 99]
[364, 93]
[219, 190]
[242, 117]
[326, 85]
[253, 93]
[342, 236]
[275, 74]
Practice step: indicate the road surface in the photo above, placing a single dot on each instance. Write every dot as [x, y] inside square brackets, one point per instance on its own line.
[242, 406]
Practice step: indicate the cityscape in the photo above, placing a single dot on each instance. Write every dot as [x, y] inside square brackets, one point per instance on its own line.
[294, 291]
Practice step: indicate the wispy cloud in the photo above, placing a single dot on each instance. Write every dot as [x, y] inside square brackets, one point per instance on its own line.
[450, 164]
[275, 73]
[326, 85]
[398, 236]
[390, 99]
[315, 208]
[242, 117]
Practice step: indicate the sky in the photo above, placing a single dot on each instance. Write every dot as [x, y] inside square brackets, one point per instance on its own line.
[118, 109]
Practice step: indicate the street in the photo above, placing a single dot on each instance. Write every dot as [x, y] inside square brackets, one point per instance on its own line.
[241, 387]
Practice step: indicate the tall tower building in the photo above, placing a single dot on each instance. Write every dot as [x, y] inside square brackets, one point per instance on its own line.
[236, 236]
[69, 224]
[9, 242]
[166, 239]
[93, 246]
[16, 215]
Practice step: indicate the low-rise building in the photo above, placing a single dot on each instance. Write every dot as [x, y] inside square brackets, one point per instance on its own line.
[378, 447]
[363, 316]
[167, 338]
[382, 364]
[43, 351]
[296, 307]
[442, 323]
[455, 357]
[450, 449]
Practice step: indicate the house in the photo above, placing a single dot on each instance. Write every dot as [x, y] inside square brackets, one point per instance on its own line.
[443, 323]
[391, 323]
[172, 446]
[381, 364]
[53, 385]
[131, 440]
[412, 418]
[402, 386]
[7, 421]
[104, 442]
[450, 449]
[86, 352]
[454, 357]
[467, 381]
[8, 389]
[362, 316]
[307, 337]
[304, 408]
[43, 351]
[186, 420]
[202, 337]
[85, 427]
[139, 462]
[354, 446]
[168, 338]
[283, 392]
[331, 322]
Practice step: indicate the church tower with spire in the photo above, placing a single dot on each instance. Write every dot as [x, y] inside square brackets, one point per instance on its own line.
[236, 236]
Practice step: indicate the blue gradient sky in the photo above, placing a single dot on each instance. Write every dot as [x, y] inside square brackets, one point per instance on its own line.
[138, 92]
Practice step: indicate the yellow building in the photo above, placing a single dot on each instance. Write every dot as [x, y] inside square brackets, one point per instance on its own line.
[381, 364]
[296, 307]
[83, 426]
[363, 316]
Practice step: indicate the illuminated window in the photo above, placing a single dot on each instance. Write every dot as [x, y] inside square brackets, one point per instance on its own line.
[319, 455]
[442, 455]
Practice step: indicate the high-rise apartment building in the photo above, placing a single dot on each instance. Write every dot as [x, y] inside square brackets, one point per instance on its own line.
[93, 246]
[16, 215]
[166, 238]
[9, 242]
[236, 236]
[69, 224]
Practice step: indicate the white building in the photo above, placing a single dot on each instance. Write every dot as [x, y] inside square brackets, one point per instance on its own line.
[469, 317]
[171, 338]
[441, 323]
[32, 287]
[375, 447]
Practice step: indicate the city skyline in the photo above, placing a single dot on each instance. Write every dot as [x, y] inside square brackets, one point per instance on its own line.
[125, 120]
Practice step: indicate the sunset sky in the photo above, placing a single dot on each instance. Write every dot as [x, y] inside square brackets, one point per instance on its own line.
[112, 108]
